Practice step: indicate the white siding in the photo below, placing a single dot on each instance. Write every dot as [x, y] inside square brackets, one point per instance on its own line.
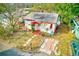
[54, 27]
[28, 24]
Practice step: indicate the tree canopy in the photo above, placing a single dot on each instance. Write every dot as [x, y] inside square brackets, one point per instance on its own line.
[66, 10]
[7, 10]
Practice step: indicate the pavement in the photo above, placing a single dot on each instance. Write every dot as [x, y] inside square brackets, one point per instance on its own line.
[17, 52]
[4, 45]
[7, 50]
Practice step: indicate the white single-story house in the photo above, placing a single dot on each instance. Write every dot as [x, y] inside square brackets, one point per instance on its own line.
[42, 21]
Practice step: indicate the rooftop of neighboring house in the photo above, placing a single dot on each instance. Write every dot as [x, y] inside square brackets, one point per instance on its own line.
[42, 17]
[4, 20]
[2, 16]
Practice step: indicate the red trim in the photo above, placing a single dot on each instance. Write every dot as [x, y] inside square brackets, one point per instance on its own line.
[51, 26]
[56, 29]
[34, 22]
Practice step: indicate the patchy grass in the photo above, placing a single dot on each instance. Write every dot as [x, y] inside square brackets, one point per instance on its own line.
[64, 36]
[20, 38]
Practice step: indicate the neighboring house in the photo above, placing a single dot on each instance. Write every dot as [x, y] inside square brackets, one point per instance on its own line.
[41, 21]
[75, 27]
[22, 11]
[3, 20]
[75, 42]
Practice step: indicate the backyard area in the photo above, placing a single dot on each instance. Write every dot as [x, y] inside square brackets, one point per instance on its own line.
[64, 36]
